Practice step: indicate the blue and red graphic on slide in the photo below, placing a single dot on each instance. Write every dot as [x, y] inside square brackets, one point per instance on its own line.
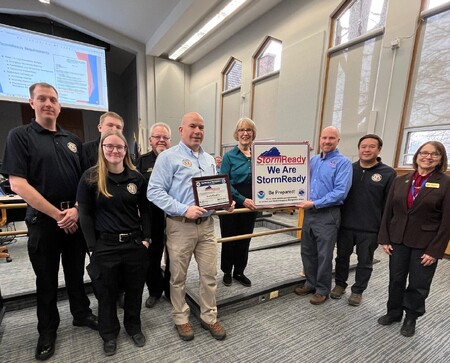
[92, 73]
[273, 156]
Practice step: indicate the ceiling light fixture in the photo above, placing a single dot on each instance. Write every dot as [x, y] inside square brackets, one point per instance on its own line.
[230, 8]
[44, 1]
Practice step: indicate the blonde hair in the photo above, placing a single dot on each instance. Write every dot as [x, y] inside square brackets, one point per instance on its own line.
[99, 174]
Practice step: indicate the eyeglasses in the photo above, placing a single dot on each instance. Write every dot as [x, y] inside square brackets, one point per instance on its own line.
[248, 131]
[434, 154]
[159, 137]
[110, 147]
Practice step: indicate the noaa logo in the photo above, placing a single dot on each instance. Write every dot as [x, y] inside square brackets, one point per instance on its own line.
[132, 188]
[187, 163]
[72, 147]
[301, 192]
[261, 194]
[376, 177]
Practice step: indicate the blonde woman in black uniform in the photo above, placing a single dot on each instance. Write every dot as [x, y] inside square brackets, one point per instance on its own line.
[115, 220]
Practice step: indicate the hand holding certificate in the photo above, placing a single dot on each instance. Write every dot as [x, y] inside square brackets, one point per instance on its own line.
[212, 192]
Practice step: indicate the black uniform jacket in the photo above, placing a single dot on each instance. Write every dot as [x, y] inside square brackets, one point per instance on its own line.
[427, 223]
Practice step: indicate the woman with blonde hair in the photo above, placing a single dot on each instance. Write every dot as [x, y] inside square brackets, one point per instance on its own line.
[237, 164]
[115, 219]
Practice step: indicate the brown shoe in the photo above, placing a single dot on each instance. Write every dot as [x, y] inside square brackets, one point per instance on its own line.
[185, 331]
[217, 331]
[355, 299]
[318, 299]
[303, 290]
[337, 292]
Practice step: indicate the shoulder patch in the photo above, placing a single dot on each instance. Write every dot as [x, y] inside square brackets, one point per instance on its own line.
[132, 188]
[72, 147]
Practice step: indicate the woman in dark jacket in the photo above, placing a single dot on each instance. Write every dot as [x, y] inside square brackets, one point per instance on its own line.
[414, 232]
[115, 220]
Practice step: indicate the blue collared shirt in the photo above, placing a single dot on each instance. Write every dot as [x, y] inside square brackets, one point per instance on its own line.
[331, 179]
[170, 185]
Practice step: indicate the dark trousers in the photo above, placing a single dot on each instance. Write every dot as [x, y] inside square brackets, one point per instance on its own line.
[405, 263]
[110, 261]
[319, 234]
[156, 281]
[47, 244]
[366, 244]
[235, 254]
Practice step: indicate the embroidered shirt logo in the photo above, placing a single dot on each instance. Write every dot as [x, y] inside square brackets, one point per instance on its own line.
[132, 188]
[376, 177]
[72, 147]
[187, 163]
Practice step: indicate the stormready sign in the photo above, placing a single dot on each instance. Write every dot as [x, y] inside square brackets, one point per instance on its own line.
[280, 173]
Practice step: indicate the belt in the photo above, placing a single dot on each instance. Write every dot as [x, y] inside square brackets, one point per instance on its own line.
[119, 237]
[187, 220]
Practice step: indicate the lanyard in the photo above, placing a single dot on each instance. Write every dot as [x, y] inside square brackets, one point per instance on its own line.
[415, 190]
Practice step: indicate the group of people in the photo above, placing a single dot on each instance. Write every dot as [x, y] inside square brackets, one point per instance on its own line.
[365, 204]
[129, 213]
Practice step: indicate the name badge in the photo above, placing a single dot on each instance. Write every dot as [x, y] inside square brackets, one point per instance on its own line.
[432, 185]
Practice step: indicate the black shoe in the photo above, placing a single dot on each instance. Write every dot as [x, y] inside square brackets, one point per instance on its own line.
[138, 339]
[151, 301]
[409, 327]
[243, 280]
[227, 280]
[90, 321]
[388, 319]
[110, 347]
[121, 300]
[45, 349]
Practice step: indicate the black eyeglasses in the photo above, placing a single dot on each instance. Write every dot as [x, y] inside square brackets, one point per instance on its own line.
[111, 147]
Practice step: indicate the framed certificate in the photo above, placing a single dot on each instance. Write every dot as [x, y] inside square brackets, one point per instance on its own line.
[212, 192]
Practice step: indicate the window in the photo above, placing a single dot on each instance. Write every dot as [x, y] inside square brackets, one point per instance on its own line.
[359, 18]
[268, 58]
[435, 3]
[428, 109]
[232, 75]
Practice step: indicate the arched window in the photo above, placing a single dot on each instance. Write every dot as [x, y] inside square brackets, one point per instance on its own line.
[427, 115]
[232, 76]
[268, 57]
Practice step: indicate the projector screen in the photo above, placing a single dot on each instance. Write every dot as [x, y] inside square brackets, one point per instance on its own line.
[76, 70]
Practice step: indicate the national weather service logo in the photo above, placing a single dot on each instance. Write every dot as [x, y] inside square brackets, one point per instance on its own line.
[72, 147]
[187, 163]
[376, 177]
[261, 194]
[132, 188]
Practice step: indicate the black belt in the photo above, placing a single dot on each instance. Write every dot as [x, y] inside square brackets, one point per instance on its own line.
[188, 220]
[119, 237]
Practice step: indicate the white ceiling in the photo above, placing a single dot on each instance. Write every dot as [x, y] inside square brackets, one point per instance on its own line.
[158, 25]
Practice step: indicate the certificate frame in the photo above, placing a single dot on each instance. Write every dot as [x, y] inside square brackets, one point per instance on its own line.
[212, 192]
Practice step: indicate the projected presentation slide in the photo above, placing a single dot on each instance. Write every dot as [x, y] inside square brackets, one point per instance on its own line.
[78, 71]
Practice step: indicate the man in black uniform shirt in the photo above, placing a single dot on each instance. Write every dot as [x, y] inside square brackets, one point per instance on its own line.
[159, 139]
[108, 121]
[44, 167]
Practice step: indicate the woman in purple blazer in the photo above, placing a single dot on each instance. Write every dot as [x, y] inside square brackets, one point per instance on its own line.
[414, 232]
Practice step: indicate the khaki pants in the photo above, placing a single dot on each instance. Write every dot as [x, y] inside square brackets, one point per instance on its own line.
[183, 241]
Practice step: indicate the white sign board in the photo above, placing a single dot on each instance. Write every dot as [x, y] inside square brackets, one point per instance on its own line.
[280, 173]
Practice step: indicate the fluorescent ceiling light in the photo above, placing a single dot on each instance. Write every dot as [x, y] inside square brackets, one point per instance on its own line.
[230, 8]
[44, 1]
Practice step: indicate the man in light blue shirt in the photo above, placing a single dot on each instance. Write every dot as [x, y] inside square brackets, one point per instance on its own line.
[190, 228]
[331, 178]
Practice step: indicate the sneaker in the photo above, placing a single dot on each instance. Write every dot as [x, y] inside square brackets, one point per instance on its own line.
[216, 329]
[318, 299]
[243, 280]
[185, 331]
[227, 280]
[337, 292]
[303, 290]
[355, 299]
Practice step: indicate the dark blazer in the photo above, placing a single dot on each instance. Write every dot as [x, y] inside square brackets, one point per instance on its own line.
[426, 224]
